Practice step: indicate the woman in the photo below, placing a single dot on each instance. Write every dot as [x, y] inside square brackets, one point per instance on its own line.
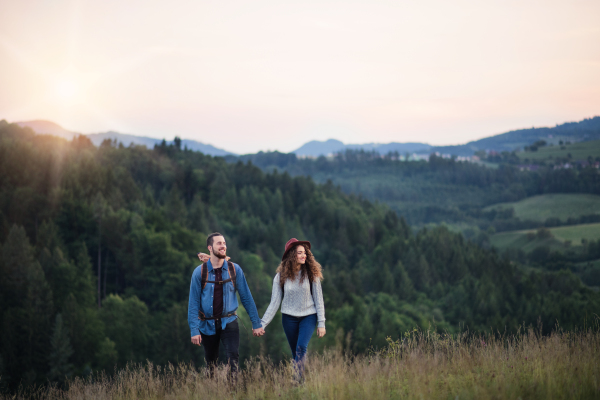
[297, 287]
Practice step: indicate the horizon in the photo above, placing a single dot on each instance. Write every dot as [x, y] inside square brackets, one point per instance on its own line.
[277, 150]
[270, 76]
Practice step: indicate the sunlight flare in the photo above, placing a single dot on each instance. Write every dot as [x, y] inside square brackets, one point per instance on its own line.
[66, 89]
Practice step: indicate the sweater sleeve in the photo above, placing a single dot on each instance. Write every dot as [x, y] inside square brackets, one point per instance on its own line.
[319, 303]
[276, 296]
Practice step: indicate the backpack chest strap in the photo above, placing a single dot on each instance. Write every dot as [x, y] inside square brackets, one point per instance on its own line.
[221, 282]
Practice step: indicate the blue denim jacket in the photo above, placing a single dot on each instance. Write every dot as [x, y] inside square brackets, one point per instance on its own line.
[230, 302]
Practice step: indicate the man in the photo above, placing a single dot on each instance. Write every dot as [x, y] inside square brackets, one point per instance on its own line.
[211, 310]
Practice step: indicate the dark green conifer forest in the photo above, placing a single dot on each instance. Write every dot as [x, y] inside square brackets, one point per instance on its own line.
[98, 246]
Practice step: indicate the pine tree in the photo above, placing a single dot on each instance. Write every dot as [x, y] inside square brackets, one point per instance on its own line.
[60, 352]
[27, 307]
[405, 286]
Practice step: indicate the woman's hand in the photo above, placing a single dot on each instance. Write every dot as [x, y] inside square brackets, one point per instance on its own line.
[205, 257]
[320, 332]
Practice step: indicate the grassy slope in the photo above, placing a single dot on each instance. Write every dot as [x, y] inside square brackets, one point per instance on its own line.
[561, 206]
[574, 233]
[426, 365]
[578, 151]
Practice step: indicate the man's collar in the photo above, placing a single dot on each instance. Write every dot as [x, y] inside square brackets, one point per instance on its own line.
[210, 266]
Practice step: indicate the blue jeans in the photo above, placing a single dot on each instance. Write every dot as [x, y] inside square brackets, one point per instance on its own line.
[298, 331]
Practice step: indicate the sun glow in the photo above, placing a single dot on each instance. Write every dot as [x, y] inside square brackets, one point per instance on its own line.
[66, 89]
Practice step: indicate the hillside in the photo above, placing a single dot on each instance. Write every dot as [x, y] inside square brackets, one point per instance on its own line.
[588, 151]
[585, 130]
[557, 239]
[120, 226]
[560, 206]
[51, 128]
[424, 365]
[324, 148]
[48, 128]
[582, 131]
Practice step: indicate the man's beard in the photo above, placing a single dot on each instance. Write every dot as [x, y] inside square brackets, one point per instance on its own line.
[219, 255]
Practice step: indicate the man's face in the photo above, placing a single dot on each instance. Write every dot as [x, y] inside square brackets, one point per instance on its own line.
[219, 247]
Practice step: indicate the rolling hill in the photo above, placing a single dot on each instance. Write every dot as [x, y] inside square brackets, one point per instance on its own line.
[51, 128]
[581, 151]
[585, 130]
[558, 205]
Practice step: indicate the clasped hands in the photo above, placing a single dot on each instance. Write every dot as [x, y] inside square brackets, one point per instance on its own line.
[258, 332]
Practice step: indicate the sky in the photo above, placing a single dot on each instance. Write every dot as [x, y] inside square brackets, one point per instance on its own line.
[271, 75]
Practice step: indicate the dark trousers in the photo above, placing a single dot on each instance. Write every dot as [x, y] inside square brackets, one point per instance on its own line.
[230, 337]
[298, 331]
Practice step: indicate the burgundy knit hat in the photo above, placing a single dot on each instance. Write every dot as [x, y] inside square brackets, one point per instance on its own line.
[292, 243]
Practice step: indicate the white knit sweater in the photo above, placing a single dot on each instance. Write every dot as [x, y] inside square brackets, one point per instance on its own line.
[297, 300]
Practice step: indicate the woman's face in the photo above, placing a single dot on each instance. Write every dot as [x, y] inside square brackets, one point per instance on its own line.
[300, 255]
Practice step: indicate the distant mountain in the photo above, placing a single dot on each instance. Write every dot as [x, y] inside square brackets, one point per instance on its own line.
[43, 127]
[582, 131]
[51, 128]
[98, 138]
[317, 148]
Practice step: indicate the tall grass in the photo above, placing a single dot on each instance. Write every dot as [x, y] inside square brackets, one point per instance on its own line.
[423, 365]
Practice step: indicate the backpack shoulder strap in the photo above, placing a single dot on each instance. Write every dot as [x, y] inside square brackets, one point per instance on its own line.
[204, 274]
[232, 274]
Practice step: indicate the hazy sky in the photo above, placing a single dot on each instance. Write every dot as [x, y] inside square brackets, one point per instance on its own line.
[265, 75]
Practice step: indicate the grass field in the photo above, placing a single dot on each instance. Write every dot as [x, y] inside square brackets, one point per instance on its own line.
[425, 365]
[519, 240]
[579, 151]
[558, 241]
[575, 233]
[561, 206]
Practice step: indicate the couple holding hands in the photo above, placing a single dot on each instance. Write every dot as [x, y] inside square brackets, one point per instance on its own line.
[213, 302]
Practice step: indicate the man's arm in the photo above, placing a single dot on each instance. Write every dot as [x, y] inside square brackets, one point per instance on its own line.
[194, 305]
[247, 300]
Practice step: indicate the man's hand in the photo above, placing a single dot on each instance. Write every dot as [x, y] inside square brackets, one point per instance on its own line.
[197, 340]
[258, 332]
[320, 332]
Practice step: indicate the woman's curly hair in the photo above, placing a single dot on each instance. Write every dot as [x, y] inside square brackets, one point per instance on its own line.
[310, 268]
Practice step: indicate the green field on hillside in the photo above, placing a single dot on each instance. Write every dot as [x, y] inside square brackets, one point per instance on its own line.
[561, 206]
[562, 237]
[578, 151]
[575, 233]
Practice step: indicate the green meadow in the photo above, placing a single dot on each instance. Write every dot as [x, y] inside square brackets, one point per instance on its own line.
[561, 206]
[562, 237]
[577, 151]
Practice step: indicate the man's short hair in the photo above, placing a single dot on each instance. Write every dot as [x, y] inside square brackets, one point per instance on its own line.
[209, 239]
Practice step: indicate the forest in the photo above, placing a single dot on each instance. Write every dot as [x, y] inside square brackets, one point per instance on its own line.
[438, 190]
[98, 245]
